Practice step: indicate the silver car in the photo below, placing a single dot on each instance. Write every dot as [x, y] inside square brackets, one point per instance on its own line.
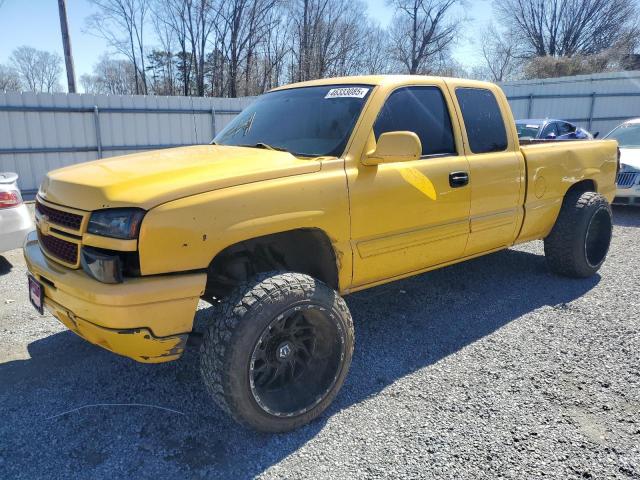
[15, 219]
[628, 136]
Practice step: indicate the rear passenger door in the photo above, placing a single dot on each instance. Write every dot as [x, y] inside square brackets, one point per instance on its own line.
[496, 169]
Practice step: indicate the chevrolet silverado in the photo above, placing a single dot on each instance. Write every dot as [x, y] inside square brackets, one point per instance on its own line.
[314, 191]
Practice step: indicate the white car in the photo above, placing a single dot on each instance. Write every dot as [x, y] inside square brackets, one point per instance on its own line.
[628, 136]
[15, 219]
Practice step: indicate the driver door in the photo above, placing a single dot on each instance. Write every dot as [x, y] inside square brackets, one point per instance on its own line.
[407, 216]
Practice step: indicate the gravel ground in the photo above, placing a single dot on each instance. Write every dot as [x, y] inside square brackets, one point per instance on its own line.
[488, 369]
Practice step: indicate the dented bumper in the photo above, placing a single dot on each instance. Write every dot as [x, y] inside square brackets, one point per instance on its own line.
[147, 319]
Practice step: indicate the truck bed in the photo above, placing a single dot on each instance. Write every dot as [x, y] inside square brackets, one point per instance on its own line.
[551, 165]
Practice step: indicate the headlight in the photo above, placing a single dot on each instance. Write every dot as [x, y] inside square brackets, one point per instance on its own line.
[123, 223]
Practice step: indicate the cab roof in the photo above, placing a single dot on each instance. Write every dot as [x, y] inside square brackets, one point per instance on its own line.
[374, 80]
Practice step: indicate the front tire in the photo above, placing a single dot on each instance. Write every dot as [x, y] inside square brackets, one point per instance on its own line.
[579, 241]
[279, 352]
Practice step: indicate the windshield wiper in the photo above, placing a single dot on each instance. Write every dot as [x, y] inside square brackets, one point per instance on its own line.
[266, 146]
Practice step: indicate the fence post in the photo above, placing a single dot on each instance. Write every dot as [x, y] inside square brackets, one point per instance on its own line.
[213, 122]
[530, 106]
[591, 109]
[96, 122]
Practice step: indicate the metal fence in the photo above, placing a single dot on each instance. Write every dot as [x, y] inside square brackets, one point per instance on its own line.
[596, 102]
[41, 132]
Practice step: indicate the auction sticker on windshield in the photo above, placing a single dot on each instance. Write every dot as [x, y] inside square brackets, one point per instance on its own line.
[347, 92]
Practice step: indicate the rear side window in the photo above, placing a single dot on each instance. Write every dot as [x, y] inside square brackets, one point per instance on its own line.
[483, 120]
[549, 129]
[565, 128]
[421, 110]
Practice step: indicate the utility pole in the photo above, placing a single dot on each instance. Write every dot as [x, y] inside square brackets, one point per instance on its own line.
[66, 45]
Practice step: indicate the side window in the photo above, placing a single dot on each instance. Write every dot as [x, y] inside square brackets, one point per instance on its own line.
[483, 120]
[422, 110]
[565, 128]
[551, 128]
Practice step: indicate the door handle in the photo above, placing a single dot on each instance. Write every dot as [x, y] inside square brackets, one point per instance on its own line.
[458, 179]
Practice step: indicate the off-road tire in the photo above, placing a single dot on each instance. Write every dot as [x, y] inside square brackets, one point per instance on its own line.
[579, 241]
[230, 339]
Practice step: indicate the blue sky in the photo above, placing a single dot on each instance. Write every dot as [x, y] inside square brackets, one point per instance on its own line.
[36, 23]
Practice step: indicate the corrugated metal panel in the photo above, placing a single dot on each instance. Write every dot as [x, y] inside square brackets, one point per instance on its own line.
[599, 101]
[41, 132]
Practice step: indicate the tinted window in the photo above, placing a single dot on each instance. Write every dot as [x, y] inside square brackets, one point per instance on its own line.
[565, 128]
[483, 120]
[309, 121]
[527, 130]
[421, 110]
[551, 128]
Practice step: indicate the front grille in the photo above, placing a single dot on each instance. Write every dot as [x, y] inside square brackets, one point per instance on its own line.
[58, 248]
[626, 180]
[58, 217]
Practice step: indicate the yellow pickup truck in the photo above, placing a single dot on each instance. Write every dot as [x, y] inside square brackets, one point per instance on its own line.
[316, 190]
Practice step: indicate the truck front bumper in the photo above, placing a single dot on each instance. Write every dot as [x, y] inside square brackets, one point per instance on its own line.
[628, 196]
[147, 319]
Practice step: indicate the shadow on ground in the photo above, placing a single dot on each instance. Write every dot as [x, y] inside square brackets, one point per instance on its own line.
[5, 266]
[626, 216]
[400, 328]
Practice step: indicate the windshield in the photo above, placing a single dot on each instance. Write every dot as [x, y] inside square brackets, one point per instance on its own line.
[627, 135]
[527, 130]
[308, 121]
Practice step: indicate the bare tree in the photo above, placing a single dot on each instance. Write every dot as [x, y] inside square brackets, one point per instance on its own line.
[173, 14]
[328, 37]
[267, 70]
[39, 70]
[9, 79]
[501, 53]
[121, 23]
[191, 23]
[244, 22]
[374, 50]
[111, 76]
[422, 30]
[563, 28]
[200, 26]
[161, 61]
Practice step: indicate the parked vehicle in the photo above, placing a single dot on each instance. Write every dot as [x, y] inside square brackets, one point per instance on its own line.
[314, 191]
[627, 135]
[15, 220]
[551, 129]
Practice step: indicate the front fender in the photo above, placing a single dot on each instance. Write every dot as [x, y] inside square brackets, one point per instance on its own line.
[186, 234]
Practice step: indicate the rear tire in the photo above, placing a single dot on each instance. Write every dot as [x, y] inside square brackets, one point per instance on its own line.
[279, 352]
[579, 241]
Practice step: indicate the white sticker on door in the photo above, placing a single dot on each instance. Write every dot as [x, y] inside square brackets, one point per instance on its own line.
[347, 92]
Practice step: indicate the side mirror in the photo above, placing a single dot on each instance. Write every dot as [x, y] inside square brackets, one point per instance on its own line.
[595, 135]
[395, 147]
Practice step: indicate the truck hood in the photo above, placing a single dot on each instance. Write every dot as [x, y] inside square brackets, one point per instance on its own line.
[630, 157]
[148, 179]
